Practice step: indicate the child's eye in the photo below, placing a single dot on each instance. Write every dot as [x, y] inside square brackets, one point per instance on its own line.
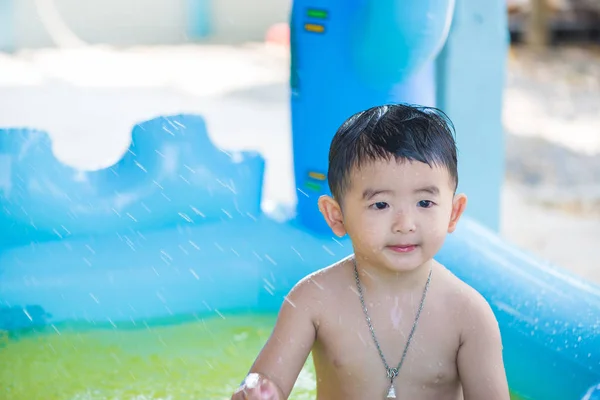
[380, 205]
[425, 203]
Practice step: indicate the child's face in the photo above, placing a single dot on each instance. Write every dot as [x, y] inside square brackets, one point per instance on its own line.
[396, 213]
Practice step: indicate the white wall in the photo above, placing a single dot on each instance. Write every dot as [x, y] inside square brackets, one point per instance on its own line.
[119, 22]
[247, 20]
[133, 22]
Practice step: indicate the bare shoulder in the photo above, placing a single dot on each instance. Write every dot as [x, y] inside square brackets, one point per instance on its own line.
[473, 310]
[316, 289]
[326, 276]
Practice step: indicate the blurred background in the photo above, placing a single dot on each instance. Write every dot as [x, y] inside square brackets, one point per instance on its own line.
[87, 71]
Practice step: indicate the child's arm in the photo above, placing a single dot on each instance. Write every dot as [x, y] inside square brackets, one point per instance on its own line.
[287, 349]
[480, 363]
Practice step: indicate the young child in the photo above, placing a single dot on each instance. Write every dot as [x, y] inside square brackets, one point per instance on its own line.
[389, 321]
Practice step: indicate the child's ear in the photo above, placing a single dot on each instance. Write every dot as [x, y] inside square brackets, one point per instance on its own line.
[458, 207]
[332, 212]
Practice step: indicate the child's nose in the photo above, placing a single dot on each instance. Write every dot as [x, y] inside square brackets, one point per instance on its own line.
[403, 223]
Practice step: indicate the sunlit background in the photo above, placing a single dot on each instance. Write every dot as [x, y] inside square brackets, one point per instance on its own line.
[87, 71]
[112, 67]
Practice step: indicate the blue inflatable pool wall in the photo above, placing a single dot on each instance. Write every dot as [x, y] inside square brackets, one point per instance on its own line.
[170, 173]
[175, 227]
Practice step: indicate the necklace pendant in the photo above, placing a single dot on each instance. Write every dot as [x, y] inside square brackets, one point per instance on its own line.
[391, 392]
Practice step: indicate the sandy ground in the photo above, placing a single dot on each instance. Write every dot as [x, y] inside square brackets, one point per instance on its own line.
[551, 201]
[88, 100]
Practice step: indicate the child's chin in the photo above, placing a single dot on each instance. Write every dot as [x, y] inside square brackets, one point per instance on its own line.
[403, 262]
[404, 268]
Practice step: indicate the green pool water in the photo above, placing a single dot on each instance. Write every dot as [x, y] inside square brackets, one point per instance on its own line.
[172, 359]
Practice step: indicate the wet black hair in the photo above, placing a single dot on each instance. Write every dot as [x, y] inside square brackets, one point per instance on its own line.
[400, 131]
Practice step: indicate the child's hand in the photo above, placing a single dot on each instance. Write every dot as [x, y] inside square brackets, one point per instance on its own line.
[257, 387]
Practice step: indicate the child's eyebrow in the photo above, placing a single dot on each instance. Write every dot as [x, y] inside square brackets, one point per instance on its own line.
[370, 193]
[432, 190]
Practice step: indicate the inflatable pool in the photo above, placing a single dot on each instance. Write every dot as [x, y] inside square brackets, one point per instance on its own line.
[230, 259]
[106, 275]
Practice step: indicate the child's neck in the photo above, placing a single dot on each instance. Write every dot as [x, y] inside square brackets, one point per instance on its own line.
[380, 278]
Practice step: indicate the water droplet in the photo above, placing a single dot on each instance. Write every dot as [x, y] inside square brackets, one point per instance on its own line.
[226, 213]
[160, 297]
[140, 166]
[194, 273]
[301, 191]
[337, 241]
[194, 209]
[132, 217]
[328, 250]
[114, 357]
[298, 253]
[268, 289]
[185, 217]
[270, 259]
[185, 180]
[268, 283]
[317, 284]
[165, 257]
[289, 301]
[27, 314]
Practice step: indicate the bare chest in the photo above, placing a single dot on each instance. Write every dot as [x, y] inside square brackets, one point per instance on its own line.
[348, 359]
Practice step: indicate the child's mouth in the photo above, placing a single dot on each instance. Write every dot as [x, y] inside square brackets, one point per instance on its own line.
[405, 248]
